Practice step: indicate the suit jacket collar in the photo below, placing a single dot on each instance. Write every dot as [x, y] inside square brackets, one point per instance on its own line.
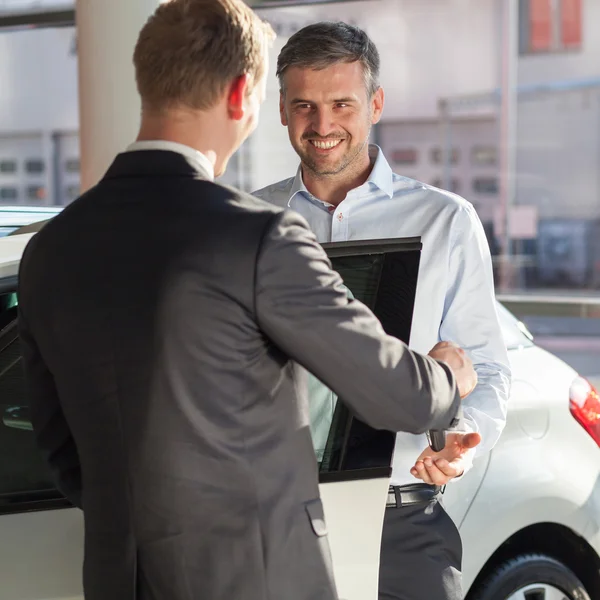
[155, 163]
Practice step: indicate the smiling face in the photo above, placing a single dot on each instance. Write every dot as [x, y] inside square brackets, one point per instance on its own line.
[329, 115]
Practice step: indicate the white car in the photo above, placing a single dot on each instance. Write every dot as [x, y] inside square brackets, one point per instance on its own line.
[529, 512]
[15, 217]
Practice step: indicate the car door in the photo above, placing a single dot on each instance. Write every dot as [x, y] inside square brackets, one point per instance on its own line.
[41, 536]
[355, 465]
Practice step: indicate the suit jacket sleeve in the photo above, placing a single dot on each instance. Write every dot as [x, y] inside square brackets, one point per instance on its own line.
[51, 430]
[302, 306]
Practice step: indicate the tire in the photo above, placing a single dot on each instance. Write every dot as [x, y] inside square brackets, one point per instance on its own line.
[531, 577]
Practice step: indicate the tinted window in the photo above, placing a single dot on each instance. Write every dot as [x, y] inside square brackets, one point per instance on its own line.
[385, 280]
[24, 477]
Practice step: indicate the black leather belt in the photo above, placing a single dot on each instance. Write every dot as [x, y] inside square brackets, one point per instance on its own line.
[407, 495]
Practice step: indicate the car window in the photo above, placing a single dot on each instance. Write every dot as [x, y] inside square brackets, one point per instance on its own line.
[515, 333]
[24, 476]
[383, 275]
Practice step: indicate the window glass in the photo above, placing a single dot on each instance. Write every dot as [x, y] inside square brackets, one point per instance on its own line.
[437, 157]
[328, 420]
[385, 280]
[71, 193]
[34, 166]
[39, 108]
[453, 187]
[405, 156]
[23, 474]
[8, 166]
[484, 156]
[485, 185]
[550, 25]
[72, 165]
[9, 193]
[36, 193]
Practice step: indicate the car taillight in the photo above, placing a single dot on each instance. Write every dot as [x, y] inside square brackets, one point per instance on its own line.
[585, 406]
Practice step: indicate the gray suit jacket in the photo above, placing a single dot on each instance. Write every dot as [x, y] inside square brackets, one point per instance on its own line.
[160, 315]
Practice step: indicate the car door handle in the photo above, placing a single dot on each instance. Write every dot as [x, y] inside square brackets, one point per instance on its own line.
[17, 417]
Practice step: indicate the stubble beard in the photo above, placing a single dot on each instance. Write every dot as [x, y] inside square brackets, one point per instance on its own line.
[345, 162]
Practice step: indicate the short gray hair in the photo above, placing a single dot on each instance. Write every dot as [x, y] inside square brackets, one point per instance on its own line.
[321, 45]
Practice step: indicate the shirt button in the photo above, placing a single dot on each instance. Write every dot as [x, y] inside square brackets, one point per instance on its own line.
[340, 217]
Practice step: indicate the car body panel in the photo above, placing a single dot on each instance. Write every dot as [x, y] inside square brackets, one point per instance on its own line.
[534, 476]
[355, 549]
[41, 555]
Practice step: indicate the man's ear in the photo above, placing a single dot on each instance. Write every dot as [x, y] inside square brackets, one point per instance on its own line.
[282, 114]
[377, 106]
[236, 96]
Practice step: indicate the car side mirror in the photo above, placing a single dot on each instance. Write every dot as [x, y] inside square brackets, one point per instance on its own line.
[17, 417]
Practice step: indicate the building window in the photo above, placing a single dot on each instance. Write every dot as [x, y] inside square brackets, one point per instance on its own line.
[485, 185]
[9, 193]
[484, 156]
[571, 23]
[549, 25]
[8, 166]
[454, 185]
[71, 193]
[72, 165]
[37, 193]
[404, 156]
[437, 157]
[34, 166]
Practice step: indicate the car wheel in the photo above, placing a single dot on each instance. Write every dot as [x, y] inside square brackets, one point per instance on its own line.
[531, 577]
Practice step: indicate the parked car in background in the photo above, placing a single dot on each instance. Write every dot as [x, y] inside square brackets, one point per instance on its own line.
[528, 512]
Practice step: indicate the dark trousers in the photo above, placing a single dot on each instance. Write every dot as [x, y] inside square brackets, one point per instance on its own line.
[421, 554]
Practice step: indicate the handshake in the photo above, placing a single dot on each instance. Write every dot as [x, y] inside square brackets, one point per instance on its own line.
[460, 364]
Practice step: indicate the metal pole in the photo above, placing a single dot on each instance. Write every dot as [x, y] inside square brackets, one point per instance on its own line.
[508, 127]
[444, 109]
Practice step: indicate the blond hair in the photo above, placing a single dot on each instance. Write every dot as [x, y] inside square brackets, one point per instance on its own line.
[190, 50]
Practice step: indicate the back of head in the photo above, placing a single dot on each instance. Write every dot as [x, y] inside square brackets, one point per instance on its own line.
[324, 44]
[190, 50]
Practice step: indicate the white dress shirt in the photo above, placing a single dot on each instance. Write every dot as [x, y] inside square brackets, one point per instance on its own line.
[198, 159]
[455, 298]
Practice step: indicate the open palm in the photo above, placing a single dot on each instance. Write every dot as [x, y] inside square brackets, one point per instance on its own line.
[438, 468]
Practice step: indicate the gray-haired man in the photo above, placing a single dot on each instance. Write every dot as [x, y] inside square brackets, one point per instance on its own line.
[330, 98]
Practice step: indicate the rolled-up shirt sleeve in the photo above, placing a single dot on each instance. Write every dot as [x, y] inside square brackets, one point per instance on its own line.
[470, 319]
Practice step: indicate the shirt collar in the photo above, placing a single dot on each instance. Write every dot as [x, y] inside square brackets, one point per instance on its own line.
[190, 153]
[381, 176]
